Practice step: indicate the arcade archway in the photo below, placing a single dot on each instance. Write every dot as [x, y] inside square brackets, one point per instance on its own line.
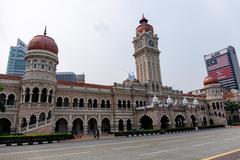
[61, 125]
[146, 122]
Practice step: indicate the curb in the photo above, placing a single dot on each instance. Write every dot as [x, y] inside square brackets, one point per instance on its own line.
[27, 143]
[176, 132]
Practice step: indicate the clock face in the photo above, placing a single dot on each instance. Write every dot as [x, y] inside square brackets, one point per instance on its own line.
[139, 44]
[151, 43]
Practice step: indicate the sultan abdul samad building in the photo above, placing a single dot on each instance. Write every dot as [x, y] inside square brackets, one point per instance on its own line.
[38, 103]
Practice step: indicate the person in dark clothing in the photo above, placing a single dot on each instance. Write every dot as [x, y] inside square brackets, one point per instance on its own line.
[94, 134]
[97, 134]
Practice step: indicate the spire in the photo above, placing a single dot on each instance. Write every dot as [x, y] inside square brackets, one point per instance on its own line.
[143, 20]
[45, 31]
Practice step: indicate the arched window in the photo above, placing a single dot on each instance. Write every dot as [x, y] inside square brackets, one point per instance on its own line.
[119, 104]
[90, 103]
[221, 106]
[157, 87]
[75, 102]
[137, 104]
[49, 115]
[59, 101]
[128, 104]
[33, 120]
[144, 103]
[42, 117]
[44, 95]
[2, 98]
[27, 95]
[35, 95]
[50, 96]
[129, 125]
[120, 125]
[208, 106]
[66, 102]
[124, 104]
[141, 103]
[95, 104]
[81, 102]
[217, 105]
[11, 100]
[213, 105]
[23, 123]
[108, 105]
[103, 103]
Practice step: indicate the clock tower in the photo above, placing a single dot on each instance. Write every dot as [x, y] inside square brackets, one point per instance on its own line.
[146, 54]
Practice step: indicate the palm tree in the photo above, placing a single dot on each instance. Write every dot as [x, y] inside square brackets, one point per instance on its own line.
[232, 106]
[2, 107]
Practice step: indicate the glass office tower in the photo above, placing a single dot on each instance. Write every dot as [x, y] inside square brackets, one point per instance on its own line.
[16, 63]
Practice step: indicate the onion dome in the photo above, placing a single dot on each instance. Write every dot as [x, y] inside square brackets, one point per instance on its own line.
[43, 42]
[169, 100]
[144, 26]
[210, 80]
[155, 100]
[184, 101]
[195, 102]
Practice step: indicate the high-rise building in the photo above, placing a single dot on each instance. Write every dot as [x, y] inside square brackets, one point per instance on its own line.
[16, 63]
[223, 64]
[66, 76]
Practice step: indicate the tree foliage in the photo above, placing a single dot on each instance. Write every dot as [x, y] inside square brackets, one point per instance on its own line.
[232, 106]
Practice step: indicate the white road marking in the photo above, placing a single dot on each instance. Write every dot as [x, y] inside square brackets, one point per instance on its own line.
[157, 152]
[180, 140]
[53, 156]
[129, 147]
[231, 138]
[202, 144]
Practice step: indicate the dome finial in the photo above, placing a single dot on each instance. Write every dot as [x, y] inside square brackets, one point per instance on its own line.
[143, 20]
[45, 31]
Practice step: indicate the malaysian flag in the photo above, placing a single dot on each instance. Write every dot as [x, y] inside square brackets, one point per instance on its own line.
[217, 62]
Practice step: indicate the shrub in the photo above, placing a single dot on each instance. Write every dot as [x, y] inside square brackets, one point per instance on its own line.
[212, 126]
[8, 139]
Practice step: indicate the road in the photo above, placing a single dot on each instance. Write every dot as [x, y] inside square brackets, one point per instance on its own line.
[179, 146]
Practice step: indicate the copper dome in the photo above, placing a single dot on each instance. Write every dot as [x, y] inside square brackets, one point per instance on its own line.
[43, 42]
[144, 26]
[210, 80]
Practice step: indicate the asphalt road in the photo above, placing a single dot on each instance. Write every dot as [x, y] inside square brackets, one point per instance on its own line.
[179, 146]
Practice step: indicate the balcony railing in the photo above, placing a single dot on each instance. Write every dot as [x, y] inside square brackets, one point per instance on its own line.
[24, 128]
[41, 123]
[31, 126]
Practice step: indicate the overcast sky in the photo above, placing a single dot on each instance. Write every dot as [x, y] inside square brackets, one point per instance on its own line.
[95, 36]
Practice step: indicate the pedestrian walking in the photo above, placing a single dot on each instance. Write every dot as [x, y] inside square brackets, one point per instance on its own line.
[97, 134]
[94, 134]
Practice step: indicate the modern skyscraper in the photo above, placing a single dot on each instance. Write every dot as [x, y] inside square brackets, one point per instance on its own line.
[66, 76]
[223, 64]
[16, 63]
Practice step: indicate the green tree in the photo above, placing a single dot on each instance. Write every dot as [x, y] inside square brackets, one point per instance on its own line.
[232, 106]
[2, 107]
